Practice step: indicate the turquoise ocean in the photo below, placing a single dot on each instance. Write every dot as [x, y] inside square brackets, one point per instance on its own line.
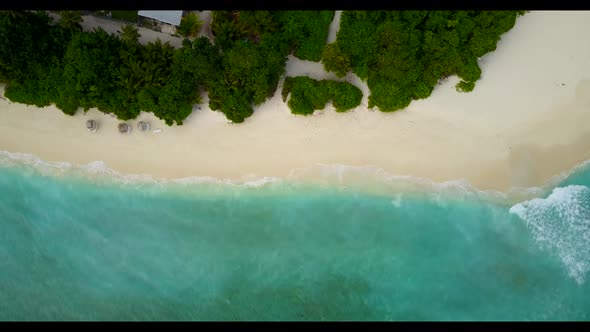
[84, 243]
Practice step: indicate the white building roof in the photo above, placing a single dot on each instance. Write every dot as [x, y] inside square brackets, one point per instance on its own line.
[167, 16]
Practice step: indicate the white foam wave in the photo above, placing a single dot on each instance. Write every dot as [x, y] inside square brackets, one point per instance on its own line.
[374, 179]
[262, 181]
[561, 222]
[100, 168]
[392, 183]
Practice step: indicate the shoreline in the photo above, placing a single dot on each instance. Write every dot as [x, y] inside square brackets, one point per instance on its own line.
[523, 125]
[367, 180]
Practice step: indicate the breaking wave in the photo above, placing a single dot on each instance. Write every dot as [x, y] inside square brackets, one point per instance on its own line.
[561, 223]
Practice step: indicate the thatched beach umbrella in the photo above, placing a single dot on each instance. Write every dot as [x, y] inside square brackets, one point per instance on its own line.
[91, 125]
[143, 126]
[124, 128]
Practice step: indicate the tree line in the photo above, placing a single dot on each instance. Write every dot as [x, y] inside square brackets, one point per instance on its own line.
[401, 54]
[45, 62]
[404, 54]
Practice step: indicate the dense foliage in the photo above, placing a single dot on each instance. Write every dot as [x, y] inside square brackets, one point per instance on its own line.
[308, 94]
[404, 54]
[254, 48]
[46, 63]
[115, 74]
[71, 20]
[190, 25]
[31, 57]
[306, 31]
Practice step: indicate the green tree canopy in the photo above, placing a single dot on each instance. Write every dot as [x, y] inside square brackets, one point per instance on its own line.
[130, 35]
[190, 25]
[71, 19]
[401, 54]
[404, 54]
[334, 60]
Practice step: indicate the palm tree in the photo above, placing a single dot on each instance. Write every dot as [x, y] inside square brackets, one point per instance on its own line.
[13, 15]
[157, 62]
[13, 18]
[71, 19]
[190, 25]
[261, 21]
[130, 34]
[131, 76]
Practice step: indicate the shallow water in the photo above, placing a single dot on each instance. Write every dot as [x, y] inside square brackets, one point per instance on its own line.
[76, 248]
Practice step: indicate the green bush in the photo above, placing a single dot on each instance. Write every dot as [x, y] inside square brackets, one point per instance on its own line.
[345, 96]
[308, 95]
[464, 86]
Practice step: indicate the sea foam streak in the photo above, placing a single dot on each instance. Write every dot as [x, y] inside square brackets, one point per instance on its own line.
[374, 179]
[561, 222]
[370, 178]
[99, 167]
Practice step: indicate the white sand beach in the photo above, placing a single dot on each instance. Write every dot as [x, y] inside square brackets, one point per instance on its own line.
[526, 121]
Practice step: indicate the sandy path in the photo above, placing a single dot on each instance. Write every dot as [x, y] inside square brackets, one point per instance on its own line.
[334, 26]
